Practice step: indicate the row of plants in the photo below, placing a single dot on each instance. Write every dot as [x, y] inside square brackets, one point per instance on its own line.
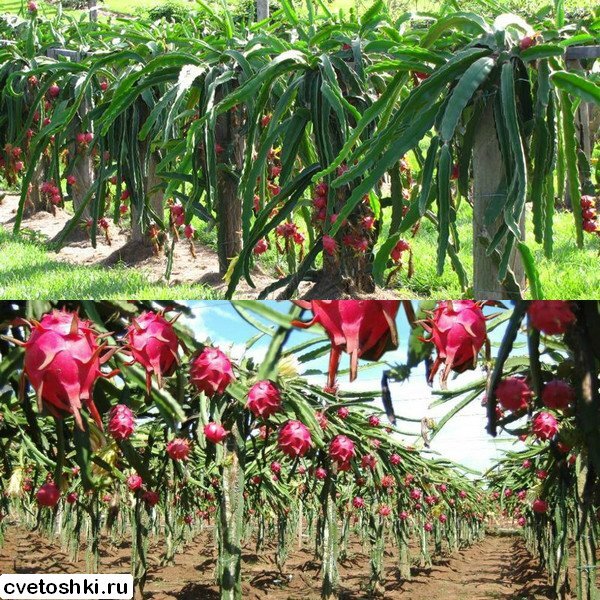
[147, 432]
[323, 139]
[169, 442]
[543, 389]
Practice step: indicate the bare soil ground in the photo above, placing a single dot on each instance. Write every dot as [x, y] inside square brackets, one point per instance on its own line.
[186, 269]
[497, 568]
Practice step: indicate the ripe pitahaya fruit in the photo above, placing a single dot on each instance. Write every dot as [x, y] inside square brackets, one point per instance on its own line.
[539, 506]
[513, 393]
[552, 317]
[341, 450]
[458, 331]
[264, 399]
[215, 433]
[363, 328]
[48, 495]
[178, 449]
[62, 362]
[211, 372]
[544, 426]
[121, 424]
[294, 439]
[134, 482]
[558, 394]
[72, 497]
[320, 473]
[153, 343]
[358, 502]
[151, 498]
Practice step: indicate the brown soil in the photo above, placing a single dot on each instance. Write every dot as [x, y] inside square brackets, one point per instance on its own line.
[497, 568]
[186, 269]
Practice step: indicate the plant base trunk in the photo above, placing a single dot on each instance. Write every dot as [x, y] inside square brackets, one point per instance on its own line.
[488, 182]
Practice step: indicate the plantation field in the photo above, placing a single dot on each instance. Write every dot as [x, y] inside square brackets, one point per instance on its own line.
[499, 567]
[115, 271]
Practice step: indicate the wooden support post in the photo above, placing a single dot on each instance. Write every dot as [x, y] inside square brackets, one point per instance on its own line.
[82, 162]
[228, 204]
[262, 10]
[154, 196]
[585, 112]
[488, 185]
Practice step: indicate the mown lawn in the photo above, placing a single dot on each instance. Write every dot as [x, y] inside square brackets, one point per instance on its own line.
[570, 274]
[132, 7]
[29, 271]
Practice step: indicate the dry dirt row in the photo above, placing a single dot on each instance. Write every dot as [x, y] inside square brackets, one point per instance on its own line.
[497, 568]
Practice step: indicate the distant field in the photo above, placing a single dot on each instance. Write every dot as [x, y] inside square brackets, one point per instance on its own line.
[396, 6]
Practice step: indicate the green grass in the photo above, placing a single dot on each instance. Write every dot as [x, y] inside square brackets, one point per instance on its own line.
[134, 7]
[570, 274]
[29, 271]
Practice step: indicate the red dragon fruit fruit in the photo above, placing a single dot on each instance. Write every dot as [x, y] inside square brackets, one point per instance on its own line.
[62, 362]
[48, 494]
[294, 439]
[343, 412]
[215, 433]
[544, 426]
[558, 394]
[513, 393]
[320, 473]
[341, 449]
[121, 424]
[134, 482]
[211, 372]
[552, 317]
[72, 497]
[358, 502]
[153, 343]
[458, 331]
[539, 506]
[395, 459]
[151, 498]
[363, 328]
[264, 399]
[178, 449]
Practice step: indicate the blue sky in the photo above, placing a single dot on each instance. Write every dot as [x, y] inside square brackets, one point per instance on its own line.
[463, 439]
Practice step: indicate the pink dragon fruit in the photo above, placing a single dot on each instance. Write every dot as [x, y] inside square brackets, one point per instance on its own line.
[458, 331]
[215, 433]
[62, 362]
[363, 328]
[558, 394]
[153, 343]
[178, 449]
[540, 506]
[211, 372]
[385, 510]
[294, 439]
[72, 497]
[513, 393]
[343, 412]
[134, 482]
[264, 399]
[544, 426]
[552, 317]
[358, 502]
[321, 473]
[48, 495]
[395, 459]
[341, 449]
[122, 422]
